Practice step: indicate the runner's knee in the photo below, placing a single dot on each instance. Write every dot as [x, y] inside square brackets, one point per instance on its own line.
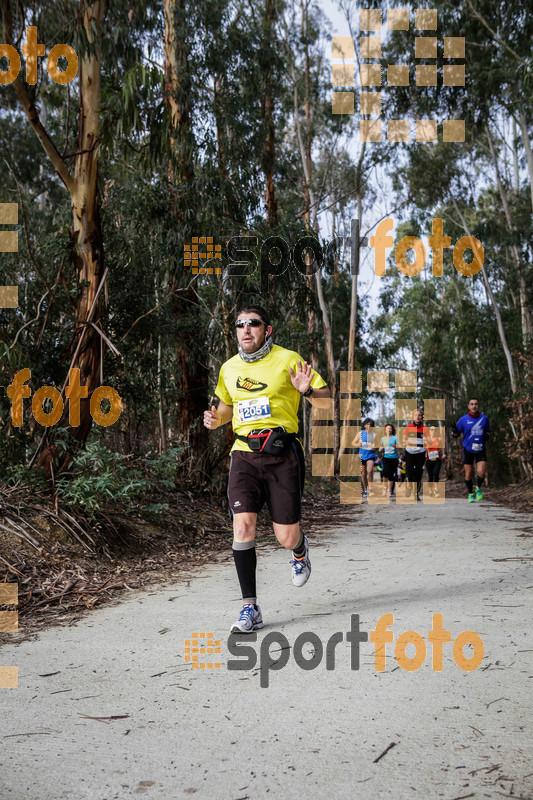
[244, 530]
[287, 535]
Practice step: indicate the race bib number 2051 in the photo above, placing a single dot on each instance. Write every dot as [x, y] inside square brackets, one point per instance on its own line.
[253, 409]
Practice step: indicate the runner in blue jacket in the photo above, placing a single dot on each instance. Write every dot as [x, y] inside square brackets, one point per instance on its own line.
[475, 429]
[367, 442]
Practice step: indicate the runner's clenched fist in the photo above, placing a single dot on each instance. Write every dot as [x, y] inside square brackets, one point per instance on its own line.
[212, 418]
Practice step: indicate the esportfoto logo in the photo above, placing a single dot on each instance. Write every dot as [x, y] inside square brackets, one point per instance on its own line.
[194, 256]
[308, 649]
[202, 644]
[371, 77]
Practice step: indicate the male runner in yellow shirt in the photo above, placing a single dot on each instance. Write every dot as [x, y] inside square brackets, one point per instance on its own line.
[259, 391]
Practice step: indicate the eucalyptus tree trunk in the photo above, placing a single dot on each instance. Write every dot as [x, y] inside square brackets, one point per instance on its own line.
[267, 113]
[356, 248]
[86, 231]
[181, 166]
[495, 308]
[318, 280]
[525, 313]
[192, 372]
[527, 147]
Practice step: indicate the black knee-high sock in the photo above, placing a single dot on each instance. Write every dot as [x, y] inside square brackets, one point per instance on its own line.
[469, 486]
[480, 480]
[245, 562]
[299, 550]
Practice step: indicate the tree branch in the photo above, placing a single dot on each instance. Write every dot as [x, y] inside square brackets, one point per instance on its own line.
[151, 311]
[31, 112]
[494, 35]
[39, 304]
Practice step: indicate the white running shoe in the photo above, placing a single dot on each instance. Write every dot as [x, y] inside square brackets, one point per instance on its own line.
[249, 620]
[301, 568]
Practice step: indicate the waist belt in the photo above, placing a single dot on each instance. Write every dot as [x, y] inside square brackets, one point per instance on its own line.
[274, 441]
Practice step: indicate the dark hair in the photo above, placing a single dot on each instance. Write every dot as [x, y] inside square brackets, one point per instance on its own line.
[387, 424]
[368, 419]
[263, 313]
[474, 398]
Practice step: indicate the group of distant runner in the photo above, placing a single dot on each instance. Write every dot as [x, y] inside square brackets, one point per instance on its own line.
[421, 446]
[259, 391]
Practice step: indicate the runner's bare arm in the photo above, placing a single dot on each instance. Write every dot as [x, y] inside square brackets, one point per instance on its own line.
[215, 417]
[320, 397]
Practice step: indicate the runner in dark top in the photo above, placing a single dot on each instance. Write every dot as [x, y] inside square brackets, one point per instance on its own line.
[475, 429]
[414, 441]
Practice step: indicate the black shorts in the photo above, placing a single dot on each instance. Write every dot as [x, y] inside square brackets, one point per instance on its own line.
[259, 478]
[469, 458]
[390, 468]
[414, 465]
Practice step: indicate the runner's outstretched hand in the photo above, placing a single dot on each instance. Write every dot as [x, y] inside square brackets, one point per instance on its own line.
[212, 418]
[301, 380]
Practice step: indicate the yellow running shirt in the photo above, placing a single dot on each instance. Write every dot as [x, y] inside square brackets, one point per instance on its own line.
[261, 392]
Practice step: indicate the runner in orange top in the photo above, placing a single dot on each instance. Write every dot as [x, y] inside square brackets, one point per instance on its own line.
[435, 455]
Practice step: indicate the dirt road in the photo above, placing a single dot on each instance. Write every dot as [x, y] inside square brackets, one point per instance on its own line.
[109, 708]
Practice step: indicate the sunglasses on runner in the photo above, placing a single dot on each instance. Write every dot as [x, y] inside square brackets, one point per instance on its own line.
[253, 323]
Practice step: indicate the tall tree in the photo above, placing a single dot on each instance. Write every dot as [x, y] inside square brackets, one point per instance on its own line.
[192, 374]
[267, 63]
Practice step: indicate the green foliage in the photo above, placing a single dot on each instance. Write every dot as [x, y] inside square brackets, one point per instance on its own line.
[34, 479]
[99, 478]
[159, 186]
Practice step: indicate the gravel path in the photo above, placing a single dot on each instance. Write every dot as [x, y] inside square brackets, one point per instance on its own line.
[123, 713]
